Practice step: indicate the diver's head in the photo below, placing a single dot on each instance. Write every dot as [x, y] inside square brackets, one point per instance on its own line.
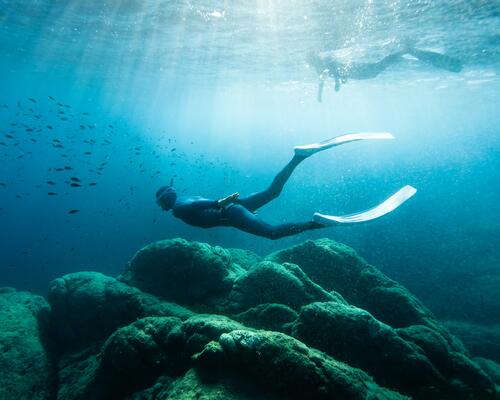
[165, 197]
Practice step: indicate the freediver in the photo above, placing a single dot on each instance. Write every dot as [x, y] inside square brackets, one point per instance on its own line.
[239, 212]
[328, 67]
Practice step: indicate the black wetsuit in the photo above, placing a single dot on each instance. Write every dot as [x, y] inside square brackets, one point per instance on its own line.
[206, 213]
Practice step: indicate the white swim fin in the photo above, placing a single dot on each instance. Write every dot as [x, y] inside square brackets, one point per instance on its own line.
[310, 149]
[385, 207]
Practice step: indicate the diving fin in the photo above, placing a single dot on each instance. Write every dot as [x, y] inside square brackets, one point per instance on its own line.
[383, 208]
[310, 149]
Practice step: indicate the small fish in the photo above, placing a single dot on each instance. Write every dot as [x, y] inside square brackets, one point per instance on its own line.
[8, 136]
[74, 211]
[50, 183]
[75, 185]
[92, 183]
[50, 127]
[88, 153]
[51, 98]
[75, 179]
[52, 193]
[29, 129]
[59, 169]
[68, 168]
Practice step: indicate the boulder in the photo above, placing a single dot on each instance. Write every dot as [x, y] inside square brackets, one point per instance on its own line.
[213, 385]
[89, 306]
[456, 366]
[269, 282]
[136, 355]
[480, 340]
[26, 371]
[272, 317]
[183, 272]
[77, 373]
[288, 368]
[354, 336]
[335, 266]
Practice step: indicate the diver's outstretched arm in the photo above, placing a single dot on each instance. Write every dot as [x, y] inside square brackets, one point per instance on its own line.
[321, 84]
[337, 83]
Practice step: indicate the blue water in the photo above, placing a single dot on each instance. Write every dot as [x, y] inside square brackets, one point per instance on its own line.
[217, 94]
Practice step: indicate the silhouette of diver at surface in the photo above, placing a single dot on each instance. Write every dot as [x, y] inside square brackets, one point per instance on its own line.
[327, 66]
[239, 212]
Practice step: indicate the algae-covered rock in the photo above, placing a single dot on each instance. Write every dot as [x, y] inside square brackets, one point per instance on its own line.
[89, 306]
[134, 356]
[456, 366]
[480, 340]
[212, 385]
[244, 258]
[25, 369]
[198, 330]
[183, 272]
[354, 336]
[269, 282]
[76, 375]
[492, 368]
[337, 267]
[289, 368]
[273, 317]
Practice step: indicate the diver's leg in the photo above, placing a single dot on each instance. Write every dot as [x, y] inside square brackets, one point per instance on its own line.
[437, 60]
[239, 217]
[371, 70]
[258, 199]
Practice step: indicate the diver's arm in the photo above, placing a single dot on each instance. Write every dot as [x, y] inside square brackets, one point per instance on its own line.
[337, 83]
[321, 84]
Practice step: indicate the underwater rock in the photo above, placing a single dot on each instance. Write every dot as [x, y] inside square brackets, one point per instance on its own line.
[183, 272]
[480, 340]
[77, 373]
[269, 282]
[201, 329]
[136, 355]
[26, 371]
[289, 368]
[454, 365]
[208, 385]
[354, 336]
[89, 306]
[244, 258]
[272, 317]
[335, 266]
[492, 368]
[280, 334]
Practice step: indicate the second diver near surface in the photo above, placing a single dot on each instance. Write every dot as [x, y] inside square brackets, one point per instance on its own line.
[328, 66]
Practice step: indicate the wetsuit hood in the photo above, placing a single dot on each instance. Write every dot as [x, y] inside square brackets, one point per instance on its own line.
[165, 197]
